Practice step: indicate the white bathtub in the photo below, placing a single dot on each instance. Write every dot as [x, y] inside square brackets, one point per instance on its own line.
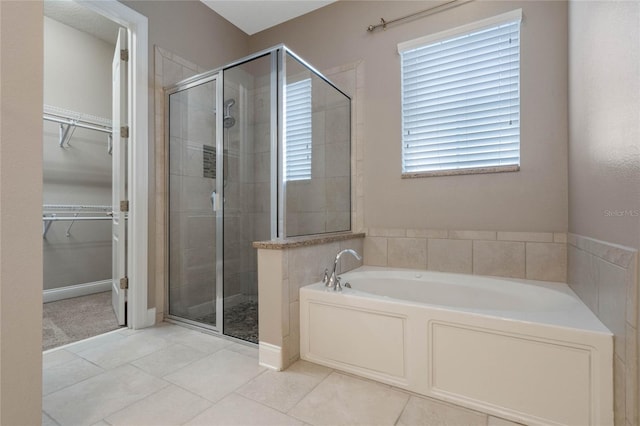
[529, 351]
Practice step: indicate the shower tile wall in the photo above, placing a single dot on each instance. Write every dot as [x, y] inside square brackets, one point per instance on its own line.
[192, 220]
[169, 69]
[247, 190]
[323, 202]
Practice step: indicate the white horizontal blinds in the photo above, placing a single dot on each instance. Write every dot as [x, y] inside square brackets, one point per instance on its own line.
[461, 101]
[298, 134]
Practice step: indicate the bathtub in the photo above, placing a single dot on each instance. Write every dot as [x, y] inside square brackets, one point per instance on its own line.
[529, 351]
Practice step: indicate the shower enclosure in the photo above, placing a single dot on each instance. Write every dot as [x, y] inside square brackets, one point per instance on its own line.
[259, 149]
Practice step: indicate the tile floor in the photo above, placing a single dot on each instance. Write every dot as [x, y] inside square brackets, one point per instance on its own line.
[170, 375]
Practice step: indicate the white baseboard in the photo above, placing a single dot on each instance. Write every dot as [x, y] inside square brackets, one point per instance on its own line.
[75, 291]
[151, 318]
[270, 356]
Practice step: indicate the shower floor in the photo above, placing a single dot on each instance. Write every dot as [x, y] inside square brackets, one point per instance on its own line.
[240, 321]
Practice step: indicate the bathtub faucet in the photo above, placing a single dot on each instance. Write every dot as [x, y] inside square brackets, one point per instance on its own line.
[333, 281]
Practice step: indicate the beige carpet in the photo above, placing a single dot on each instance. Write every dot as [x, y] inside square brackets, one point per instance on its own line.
[70, 320]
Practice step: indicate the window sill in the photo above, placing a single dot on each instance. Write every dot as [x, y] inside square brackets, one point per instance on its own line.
[479, 170]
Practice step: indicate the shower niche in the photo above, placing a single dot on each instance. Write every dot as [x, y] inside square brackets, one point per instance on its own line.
[258, 149]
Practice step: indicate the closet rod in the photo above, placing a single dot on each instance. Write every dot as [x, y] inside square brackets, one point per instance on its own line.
[77, 123]
[63, 218]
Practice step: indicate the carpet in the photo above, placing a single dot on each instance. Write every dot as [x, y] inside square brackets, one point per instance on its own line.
[69, 320]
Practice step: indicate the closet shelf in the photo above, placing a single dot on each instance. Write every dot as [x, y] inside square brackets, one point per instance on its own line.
[50, 214]
[70, 120]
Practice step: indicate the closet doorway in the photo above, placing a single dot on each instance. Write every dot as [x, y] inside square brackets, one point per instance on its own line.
[85, 203]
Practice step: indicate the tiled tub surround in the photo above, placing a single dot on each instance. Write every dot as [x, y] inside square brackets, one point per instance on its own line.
[525, 350]
[283, 267]
[531, 255]
[605, 277]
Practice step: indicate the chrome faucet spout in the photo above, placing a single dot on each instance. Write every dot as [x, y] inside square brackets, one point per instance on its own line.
[333, 280]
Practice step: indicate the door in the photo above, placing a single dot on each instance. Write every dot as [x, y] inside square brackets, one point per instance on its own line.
[194, 203]
[119, 185]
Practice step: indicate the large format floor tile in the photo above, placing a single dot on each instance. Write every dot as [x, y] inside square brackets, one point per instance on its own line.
[235, 410]
[420, 411]
[280, 390]
[62, 368]
[168, 360]
[216, 375]
[91, 400]
[345, 400]
[170, 375]
[169, 406]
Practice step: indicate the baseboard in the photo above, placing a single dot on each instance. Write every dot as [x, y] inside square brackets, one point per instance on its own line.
[151, 318]
[270, 356]
[75, 291]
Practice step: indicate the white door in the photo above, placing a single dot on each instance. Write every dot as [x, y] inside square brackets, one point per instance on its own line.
[119, 189]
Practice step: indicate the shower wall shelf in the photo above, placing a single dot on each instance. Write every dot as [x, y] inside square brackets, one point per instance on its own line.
[72, 214]
[70, 120]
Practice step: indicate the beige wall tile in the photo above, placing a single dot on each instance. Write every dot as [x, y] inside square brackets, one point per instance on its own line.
[294, 331]
[375, 251]
[307, 264]
[427, 233]
[270, 288]
[559, 237]
[450, 255]
[496, 421]
[540, 237]
[546, 261]
[472, 235]
[612, 294]
[501, 258]
[582, 276]
[619, 388]
[407, 252]
[631, 367]
[632, 293]
[387, 232]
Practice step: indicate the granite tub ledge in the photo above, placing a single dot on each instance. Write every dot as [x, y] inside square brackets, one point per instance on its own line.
[307, 240]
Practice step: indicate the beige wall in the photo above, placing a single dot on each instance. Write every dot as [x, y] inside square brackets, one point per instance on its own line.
[21, 34]
[200, 36]
[604, 112]
[534, 199]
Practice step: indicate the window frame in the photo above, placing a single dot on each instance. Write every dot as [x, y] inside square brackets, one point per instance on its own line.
[505, 18]
[306, 84]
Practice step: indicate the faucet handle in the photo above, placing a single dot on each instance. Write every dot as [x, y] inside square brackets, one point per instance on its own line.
[337, 287]
[325, 278]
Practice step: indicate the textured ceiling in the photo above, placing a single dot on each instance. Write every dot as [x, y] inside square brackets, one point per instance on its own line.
[74, 15]
[253, 16]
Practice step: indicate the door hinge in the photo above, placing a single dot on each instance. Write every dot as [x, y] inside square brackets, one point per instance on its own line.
[124, 205]
[124, 131]
[124, 55]
[124, 283]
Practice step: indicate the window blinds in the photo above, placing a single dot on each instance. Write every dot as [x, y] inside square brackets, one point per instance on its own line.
[461, 99]
[298, 133]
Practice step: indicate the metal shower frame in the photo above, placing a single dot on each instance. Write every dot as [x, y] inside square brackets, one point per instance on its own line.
[277, 55]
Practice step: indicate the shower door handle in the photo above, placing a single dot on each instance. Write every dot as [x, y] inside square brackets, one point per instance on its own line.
[214, 197]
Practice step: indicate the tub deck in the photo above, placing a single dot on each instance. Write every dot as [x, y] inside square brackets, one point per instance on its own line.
[528, 351]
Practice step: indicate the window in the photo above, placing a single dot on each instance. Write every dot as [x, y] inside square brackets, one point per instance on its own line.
[461, 99]
[298, 136]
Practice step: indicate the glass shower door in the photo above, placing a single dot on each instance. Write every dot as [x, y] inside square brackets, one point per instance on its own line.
[193, 273]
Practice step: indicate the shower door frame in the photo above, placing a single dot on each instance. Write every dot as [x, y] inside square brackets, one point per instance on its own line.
[200, 79]
[278, 57]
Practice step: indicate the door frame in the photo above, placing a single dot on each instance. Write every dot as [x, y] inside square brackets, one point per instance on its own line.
[138, 315]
